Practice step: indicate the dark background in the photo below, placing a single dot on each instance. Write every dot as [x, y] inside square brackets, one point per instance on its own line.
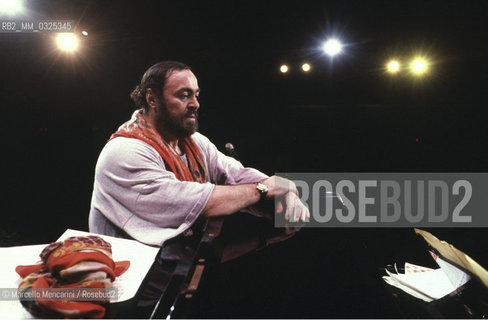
[346, 115]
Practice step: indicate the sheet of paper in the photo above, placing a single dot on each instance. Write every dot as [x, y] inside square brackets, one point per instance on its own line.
[391, 281]
[10, 258]
[457, 276]
[455, 256]
[141, 258]
[433, 284]
[428, 284]
[413, 268]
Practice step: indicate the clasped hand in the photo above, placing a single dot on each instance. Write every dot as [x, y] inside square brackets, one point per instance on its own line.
[285, 194]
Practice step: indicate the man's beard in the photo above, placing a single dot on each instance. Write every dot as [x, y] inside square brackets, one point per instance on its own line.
[179, 126]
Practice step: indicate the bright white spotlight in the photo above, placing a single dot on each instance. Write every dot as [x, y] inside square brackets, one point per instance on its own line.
[393, 66]
[284, 68]
[11, 7]
[306, 67]
[85, 33]
[332, 47]
[419, 66]
[67, 42]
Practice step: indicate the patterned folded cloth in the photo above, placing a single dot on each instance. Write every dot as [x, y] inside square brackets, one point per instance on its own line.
[75, 263]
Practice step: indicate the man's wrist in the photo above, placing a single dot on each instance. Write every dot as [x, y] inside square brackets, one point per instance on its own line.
[262, 190]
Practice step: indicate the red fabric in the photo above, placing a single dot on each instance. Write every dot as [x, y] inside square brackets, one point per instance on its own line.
[60, 256]
[119, 268]
[138, 128]
[73, 258]
[75, 309]
[24, 271]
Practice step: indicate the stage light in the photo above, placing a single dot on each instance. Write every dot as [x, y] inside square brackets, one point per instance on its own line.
[419, 66]
[67, 42]
[332, 47]
[284, 68]
[393, 66]
[306, 67]
[11, 7]
[85, 33]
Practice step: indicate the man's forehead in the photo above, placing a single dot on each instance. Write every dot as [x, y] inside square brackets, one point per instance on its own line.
[179, 79]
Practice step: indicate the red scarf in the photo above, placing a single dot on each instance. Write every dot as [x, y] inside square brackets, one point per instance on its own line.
[75, 263]
[138, 127]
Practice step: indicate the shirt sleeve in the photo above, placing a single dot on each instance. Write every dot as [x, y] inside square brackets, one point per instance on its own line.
[135, 192]
[226, 170]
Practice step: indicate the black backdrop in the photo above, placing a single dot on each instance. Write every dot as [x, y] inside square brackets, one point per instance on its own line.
[344, 116]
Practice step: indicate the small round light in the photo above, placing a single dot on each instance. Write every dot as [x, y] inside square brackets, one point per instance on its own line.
[67, 42]
[393, 66]
[306, 67]
[85, 33]
[332, 47]
[419, 66]
[284, 68]
[11, 7]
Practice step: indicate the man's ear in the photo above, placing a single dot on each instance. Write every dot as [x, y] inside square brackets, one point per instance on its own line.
[151, 99]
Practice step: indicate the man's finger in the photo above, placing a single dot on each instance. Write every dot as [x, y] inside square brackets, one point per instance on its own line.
[290, 208]
[279, 207]
[305, 214]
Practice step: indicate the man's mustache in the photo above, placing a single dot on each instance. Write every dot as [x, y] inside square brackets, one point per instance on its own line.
[191, 112]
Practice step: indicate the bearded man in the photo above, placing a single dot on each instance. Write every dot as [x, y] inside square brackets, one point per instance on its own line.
[157, 175]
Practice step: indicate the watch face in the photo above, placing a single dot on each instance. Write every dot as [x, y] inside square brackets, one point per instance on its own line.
[262, 188]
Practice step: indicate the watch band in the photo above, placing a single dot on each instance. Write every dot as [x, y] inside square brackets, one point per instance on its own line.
[262, 189]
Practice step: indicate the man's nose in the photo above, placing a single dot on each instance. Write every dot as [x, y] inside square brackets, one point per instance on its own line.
[194, 103]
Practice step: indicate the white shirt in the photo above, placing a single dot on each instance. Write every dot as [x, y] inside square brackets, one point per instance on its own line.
[135, 195]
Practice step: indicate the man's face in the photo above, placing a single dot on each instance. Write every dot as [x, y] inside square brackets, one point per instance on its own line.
[177, 111]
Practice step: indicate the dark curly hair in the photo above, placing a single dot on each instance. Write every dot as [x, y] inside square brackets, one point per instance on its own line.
[154, 78]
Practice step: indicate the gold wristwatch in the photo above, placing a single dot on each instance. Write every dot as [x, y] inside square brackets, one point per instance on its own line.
[262, 189]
